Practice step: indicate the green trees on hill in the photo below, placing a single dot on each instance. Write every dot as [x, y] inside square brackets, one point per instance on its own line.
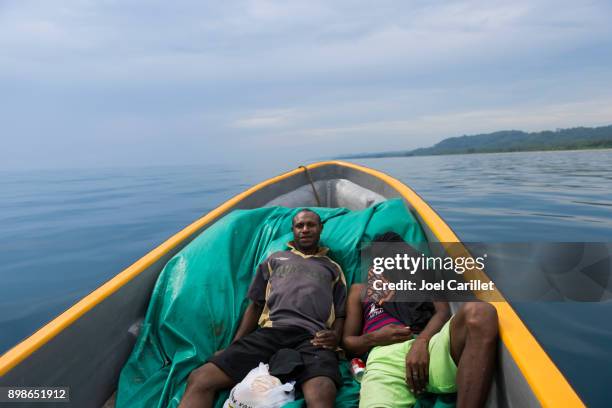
[513, 141]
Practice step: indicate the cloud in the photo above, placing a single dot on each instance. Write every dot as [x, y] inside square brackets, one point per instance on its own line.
[261, 73]
[425, 129]
[255, 39]
[267, 119]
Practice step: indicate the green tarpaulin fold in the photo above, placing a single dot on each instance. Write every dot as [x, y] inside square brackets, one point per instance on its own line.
[200, 295]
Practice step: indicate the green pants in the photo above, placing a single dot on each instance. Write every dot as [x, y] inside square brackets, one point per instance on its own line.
[384, 382]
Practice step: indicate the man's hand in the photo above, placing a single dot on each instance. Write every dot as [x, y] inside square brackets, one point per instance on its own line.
[326, 339]
[417, 366]
[391, 334]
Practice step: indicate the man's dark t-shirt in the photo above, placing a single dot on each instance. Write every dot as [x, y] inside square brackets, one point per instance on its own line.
[298, 290]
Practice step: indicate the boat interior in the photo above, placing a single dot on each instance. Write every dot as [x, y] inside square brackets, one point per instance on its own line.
[89, 344]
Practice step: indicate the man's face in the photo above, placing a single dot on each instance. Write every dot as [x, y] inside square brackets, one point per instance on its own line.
[306, 230]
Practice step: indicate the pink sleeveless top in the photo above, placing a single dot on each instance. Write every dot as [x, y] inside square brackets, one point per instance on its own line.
[375, 317]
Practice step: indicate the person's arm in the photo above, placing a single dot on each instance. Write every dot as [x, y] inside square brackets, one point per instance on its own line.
[257, 295]
[249, 320]
[351, 340]
[440, 317]
[338, 328]
[358, 344]
[417, 359]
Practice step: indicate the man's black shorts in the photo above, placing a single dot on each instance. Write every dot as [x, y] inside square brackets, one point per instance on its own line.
[257, 347]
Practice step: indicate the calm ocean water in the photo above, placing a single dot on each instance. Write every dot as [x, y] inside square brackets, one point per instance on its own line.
[66, 232]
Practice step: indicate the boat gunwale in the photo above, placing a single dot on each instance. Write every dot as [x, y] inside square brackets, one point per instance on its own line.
[39, 338]
[546, 381]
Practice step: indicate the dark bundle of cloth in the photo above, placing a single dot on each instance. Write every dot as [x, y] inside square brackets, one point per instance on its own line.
[413, 314]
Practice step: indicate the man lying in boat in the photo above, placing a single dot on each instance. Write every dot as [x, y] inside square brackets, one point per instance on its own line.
[415, 348]
[298, 297]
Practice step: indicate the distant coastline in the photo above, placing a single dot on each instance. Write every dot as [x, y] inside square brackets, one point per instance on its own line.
[507, 141]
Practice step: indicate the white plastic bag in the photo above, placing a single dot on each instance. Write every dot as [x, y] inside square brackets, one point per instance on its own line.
[259, 389]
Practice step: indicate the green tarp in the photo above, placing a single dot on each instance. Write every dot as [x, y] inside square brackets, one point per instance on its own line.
[199, 297]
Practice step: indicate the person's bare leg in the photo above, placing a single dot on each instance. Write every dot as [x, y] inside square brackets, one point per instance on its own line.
[202, 384]
[473, 333]
[319, 392]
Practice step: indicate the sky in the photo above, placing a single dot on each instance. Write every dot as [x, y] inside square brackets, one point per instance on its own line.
[99, 83]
